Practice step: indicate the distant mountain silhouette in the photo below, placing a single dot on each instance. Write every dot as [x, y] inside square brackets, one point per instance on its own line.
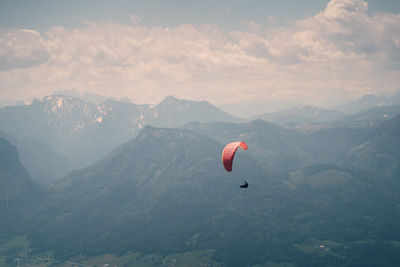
[83, 132]
[369, 117]
[301, 114]
[368, 101]
[173, 112]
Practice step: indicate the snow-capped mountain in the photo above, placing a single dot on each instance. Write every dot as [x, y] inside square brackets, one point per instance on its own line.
[84, 132]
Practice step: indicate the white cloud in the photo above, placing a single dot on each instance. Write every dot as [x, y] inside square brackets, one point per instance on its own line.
[341, 49]
[345, 8]
[343, 31]
[21, 49]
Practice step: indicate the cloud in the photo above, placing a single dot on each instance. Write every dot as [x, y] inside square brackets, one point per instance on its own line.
[341, 49]
[342, 32]
[345, 8]
[21, 49]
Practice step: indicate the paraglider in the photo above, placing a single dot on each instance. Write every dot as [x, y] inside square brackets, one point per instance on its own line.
[229, 153]
[245, 185]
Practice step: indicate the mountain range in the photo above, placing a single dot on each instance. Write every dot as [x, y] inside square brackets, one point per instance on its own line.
[302, 114]
[320, 194]
[369, 117]
[61, 133]
[165, 192]
[82, 132]
[368, 101]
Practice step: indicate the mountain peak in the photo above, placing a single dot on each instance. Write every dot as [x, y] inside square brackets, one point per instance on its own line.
[173, 112]
[175, 100]
[55, 103]
[170, 98]
[60, 97]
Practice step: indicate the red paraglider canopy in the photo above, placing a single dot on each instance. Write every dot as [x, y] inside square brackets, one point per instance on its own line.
[229, 152]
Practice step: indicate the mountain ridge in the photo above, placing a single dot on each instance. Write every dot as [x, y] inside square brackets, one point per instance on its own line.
[368, 101]
[166, 192]
[183, 171]
[84, 132]
[19, 195]
[301, 114]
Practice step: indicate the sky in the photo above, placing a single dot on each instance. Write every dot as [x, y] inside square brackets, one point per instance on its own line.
[230, 53]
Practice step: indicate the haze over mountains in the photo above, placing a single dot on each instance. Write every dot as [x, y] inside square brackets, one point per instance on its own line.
[302, 114]
[368, 101]
[152, 190]
[70, 133]
[355, 113]
[77, 133]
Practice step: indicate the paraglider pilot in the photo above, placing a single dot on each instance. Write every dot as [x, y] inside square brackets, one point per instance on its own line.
[245, 185]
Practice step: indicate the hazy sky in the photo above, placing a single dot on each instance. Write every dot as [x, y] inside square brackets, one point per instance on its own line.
[253, 51]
